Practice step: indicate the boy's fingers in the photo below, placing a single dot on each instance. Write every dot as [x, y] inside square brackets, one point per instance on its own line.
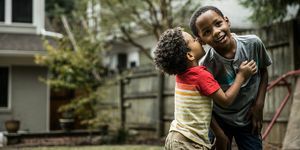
[244, 62]
[251, 63]
[253, 66]
[254, 70]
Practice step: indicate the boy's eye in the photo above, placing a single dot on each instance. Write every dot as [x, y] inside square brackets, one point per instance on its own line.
[206, 32]
[219, 23]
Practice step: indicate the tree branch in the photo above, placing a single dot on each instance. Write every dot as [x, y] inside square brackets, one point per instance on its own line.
[130, 40]
[156, 25]
[69, 32]
[128, 37]
[143, 22]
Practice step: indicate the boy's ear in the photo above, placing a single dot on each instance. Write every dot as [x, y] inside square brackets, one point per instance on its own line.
[227, 20]
[190, 56]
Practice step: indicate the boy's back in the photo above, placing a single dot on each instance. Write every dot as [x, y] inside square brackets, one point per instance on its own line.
[193, 108]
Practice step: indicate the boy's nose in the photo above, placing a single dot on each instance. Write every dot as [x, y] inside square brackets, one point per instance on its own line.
[216, 32]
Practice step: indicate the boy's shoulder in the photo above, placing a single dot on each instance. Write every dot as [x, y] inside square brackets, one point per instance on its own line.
[192, 74]
[209, 55]
[197, 70]
[247, 38]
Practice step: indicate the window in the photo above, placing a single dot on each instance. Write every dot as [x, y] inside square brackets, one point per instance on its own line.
[2, 10]
[4, 71]
[122, 62]
[22, 11]
[132, 64]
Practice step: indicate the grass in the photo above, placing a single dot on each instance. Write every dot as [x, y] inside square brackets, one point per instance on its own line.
[104, 147]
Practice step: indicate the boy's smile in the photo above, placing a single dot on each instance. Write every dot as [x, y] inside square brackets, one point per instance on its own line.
[214, 30]
[221, 38]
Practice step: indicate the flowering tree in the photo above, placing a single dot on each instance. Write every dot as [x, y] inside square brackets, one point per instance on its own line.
[75, 62]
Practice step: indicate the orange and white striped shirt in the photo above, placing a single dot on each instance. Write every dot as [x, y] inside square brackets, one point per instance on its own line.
[193, 107]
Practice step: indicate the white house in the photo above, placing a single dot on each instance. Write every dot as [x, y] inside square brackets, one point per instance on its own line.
[22, 95]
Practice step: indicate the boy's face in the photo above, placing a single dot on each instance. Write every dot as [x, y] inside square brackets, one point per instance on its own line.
[196, 48]
[214, 30]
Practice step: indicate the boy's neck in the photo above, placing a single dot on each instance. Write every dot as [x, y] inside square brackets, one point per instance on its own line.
[229, 51]
[193, 63]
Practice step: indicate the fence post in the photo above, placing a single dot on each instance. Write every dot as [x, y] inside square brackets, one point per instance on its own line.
[160, 106]
[294, 35]
[122, 109]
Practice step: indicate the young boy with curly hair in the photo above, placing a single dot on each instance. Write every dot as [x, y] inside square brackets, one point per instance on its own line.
[177, 53]
[243, 118]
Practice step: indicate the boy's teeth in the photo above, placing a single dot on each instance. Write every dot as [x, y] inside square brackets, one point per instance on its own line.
[220, 38]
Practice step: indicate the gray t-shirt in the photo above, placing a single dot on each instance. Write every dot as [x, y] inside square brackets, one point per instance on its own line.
[249, 47]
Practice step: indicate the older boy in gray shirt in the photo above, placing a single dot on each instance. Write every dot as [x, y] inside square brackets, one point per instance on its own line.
[249, 47]
[243, 118]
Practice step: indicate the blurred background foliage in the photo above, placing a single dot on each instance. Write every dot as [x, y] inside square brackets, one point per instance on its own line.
[266, 12]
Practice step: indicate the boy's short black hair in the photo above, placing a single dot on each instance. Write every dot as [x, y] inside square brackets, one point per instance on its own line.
[200, 11]
[170, 53]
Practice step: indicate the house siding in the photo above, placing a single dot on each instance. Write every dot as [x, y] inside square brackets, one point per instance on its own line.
[28, 99]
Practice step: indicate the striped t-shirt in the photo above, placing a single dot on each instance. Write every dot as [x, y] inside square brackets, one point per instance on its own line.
[193, 107]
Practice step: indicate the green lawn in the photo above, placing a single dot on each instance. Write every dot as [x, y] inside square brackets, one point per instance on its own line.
[104, 147]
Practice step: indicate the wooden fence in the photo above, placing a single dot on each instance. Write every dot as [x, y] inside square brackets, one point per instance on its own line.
[146, 96]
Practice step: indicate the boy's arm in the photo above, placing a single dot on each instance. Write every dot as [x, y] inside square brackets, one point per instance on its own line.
[226, 98]
[256, 110]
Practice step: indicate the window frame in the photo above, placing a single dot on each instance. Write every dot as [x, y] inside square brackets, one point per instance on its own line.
[8, 108]
[35, 27]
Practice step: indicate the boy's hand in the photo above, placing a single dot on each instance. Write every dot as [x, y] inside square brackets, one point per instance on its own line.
[222, 142]
[247, 69]
[256, 115]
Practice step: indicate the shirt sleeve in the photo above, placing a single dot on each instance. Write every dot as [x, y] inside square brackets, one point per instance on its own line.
[206, 84]
[264, 58]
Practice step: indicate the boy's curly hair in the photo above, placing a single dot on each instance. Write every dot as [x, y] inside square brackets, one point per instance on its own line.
[200, 11]
[170, 53]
